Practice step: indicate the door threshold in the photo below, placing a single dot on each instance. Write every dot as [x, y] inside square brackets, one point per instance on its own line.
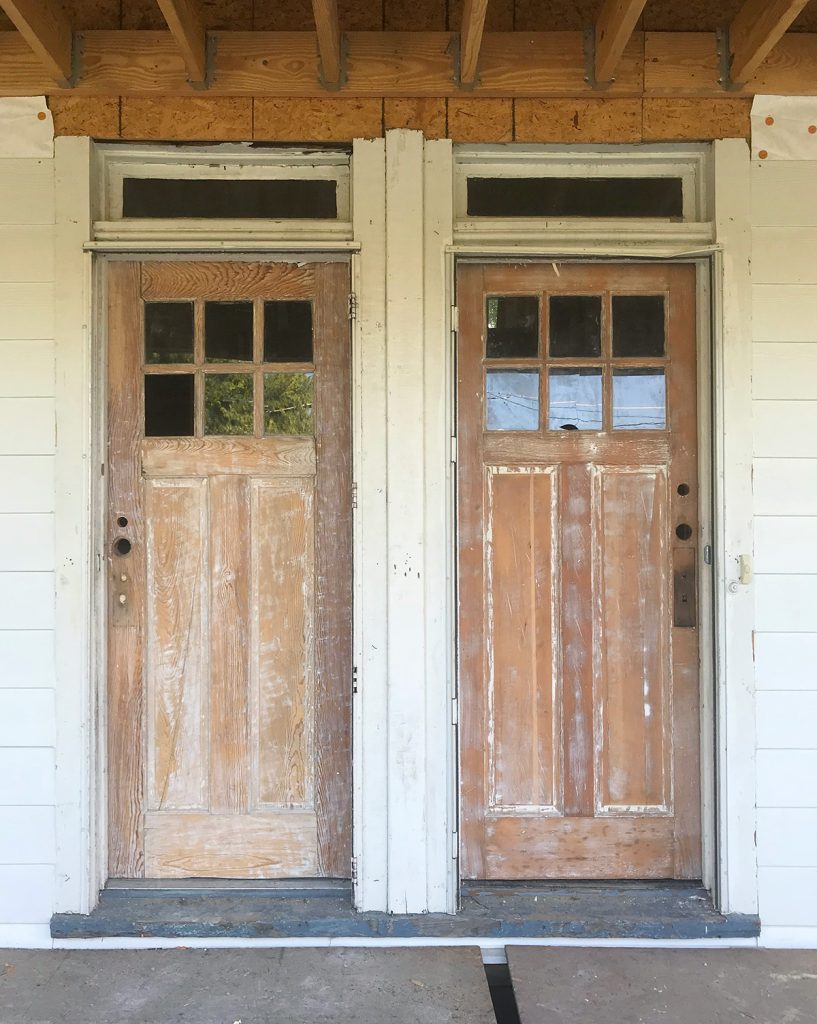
[489, 910]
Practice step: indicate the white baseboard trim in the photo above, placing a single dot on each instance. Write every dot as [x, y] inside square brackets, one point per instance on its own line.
[788, 938]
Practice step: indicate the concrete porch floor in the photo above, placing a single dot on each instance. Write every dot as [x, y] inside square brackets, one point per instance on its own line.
[442, 985]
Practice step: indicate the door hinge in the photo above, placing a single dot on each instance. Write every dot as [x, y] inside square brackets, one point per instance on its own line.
[354, 495]
[354, 870]
[707, 554]
[354, 678]
[455, 845]
[454, 449]
[352, 306]
[455, 319]
[455, 711]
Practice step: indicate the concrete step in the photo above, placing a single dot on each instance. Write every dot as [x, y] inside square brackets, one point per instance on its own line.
[441, 985]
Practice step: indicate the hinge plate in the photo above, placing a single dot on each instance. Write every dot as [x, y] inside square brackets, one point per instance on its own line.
[455, 319]
[455, 845]
[354, 495]
[352, 306]
[454, 449]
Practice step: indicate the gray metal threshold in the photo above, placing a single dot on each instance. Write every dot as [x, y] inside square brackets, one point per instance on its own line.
[489, 910]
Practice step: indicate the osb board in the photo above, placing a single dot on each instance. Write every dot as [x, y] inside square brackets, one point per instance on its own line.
[425, 115]
[478, 120]
[194, 120]
[317, 120]
[97, 116]
[692, 120]
[498, 18]
[414, 16]
[226, 15]
[594, 120]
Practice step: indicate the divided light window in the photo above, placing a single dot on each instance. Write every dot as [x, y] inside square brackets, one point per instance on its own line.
[560, 198]
[221, 198]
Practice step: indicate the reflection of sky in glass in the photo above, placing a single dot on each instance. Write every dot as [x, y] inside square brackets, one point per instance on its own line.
[574, 399]
[639, 400]
[512, 399]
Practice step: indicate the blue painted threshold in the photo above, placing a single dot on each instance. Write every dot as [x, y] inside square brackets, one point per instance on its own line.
[489, 910]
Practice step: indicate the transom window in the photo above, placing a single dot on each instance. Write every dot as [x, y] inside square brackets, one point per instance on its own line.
[215, 368]
[560, 362]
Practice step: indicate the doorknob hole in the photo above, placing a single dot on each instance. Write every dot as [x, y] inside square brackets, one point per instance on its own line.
[122, 546]
[122, 521]
[683, 490]
[683, 531]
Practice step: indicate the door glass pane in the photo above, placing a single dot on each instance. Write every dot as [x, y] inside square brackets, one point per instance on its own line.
[288, 400]
[228, 403]
[575, 399]
[228, 332]
[288, 332]
[513, 327]
[168, 332]
[639, 400]
[575, 326]
[169, 405]
[638, 325]
[512, 399]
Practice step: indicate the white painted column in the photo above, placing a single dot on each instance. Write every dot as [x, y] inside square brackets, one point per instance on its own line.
[78, 874]
[734, 509]
[404, 743]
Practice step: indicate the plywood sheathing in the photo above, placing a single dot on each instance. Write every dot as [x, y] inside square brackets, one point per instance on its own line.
[427, 116]
[327, 119]
[565, 121]
[478, 120]
[499, 17]
[414, 16]
[223, 118]
[97, 116]
[217, 15]
[690, 120]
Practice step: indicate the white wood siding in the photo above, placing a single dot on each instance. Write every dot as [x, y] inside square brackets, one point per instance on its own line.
[27, 560]
[784, 310]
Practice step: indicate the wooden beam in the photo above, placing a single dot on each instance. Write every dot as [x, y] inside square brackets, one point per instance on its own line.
[186, 27]
[46, 29]
[614, 26]
[473, 25]
[756, 29]
[327, 26]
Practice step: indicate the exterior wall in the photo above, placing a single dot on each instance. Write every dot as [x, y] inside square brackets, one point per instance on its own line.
[27, 548]
[784, 308]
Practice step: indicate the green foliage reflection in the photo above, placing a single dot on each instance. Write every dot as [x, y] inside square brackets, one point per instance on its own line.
[288, 403]
[228, 403]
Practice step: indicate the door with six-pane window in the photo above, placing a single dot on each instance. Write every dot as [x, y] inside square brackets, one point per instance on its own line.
[229, 569]
[578, 531]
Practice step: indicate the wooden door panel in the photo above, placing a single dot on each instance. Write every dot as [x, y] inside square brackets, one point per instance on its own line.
[631, 530]
[177, 704]
[230, 614]
[524, 760]
[579, 685]
[284, 621]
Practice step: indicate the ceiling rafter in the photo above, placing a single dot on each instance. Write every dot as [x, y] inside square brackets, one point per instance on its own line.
[327, 27]
[186, 27]
[46, 29]
[756, 29]
[471, 32]
[613, 29]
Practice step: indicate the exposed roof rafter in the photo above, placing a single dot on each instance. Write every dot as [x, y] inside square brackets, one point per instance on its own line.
[757, 27]
[44, 26]
[327, 26]
[185, 24]
[614, 26]
[473, 26]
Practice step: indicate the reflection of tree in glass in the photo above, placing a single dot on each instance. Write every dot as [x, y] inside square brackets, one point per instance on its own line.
[228, 403]
[288, 403]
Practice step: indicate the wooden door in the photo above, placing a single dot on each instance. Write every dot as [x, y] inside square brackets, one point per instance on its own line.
[229, 556]
[578, 534]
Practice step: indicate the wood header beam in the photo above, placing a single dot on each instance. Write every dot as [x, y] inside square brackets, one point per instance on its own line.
[473, 26]
[406, 65]
[186, 27]
[46, 29]
[756, 29]
[327, 26]
[614, 26]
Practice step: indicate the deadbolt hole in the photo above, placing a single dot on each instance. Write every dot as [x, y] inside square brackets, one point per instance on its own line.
[122, 546]
[683, 490]
[683, 531]
[122, 522]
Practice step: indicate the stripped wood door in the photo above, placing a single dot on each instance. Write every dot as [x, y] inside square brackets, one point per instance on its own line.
[578, 531]
[229, 556]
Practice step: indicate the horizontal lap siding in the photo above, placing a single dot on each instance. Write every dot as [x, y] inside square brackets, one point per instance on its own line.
[27, 556]
[784, 315]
